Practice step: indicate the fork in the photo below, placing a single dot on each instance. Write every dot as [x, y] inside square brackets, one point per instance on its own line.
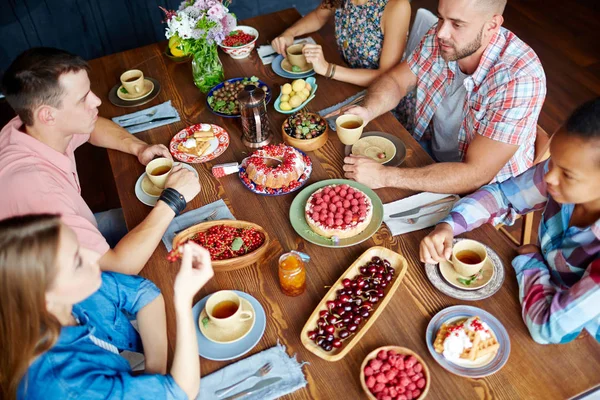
[149, 115]
[414, 220]
[262, 371]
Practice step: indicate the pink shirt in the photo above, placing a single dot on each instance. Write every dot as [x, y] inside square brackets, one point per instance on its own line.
[35, 178]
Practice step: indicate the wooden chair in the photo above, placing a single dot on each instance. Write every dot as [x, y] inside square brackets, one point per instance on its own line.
[542, 152]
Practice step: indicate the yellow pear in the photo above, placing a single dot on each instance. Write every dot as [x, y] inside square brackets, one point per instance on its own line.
[305, 93]
[286, 89]
[285, 98]
[285, 106]
[295, 101]
[292, 94]
[175, 51]
[298, 85]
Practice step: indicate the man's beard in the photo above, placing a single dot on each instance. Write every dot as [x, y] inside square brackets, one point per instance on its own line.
[466, 51]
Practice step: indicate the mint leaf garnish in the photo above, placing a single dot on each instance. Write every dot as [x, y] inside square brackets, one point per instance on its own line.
[296, 68]
[237, 244]
[205, 321]
[123, 90]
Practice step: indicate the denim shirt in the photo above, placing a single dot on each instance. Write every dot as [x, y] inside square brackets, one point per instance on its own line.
[76, 368]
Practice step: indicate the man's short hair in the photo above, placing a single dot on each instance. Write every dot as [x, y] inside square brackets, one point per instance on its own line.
[585, 120]
[32, 79]
[494, 7]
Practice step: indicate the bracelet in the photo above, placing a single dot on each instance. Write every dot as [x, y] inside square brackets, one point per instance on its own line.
[174, 200]
[328, 73]
[332, 71]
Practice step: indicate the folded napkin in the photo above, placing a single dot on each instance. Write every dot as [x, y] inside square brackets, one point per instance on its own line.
[147, 118]
[399, 226]
[331, 120]
[267, 54]
[284, 366]
[194, 217]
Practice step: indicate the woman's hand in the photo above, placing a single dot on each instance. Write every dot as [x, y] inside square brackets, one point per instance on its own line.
[196, 270]
[282, 42]
[437, 246]
[314, 55]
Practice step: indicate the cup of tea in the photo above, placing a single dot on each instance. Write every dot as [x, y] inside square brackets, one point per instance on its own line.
[349, 127]
[468, 257]
[158, 170]
[295, 56]
[133, 81]
[224, 309]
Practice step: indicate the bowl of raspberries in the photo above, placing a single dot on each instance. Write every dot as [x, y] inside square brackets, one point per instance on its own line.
[394, 373]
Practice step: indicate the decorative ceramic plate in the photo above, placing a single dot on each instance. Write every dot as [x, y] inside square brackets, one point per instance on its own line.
[436, 278]
[277, 68]
[301, 226]
[400, 147]
[114, 98]
[313, 83]
[223, 352]
[218, 144]
[209, 96]
[123, 94]
[289, 68]
[488, 365]
[292, 187]
[150, 200]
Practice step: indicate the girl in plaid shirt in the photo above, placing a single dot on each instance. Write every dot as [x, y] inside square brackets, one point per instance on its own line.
[559, 280]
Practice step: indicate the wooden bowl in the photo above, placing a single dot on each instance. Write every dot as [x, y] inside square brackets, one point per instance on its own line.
[397, 261]
[233, 263]
[306, 144]
[400, 350]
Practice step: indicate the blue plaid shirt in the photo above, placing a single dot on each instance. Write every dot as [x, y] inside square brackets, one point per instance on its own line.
[76, 367]
[559, 286]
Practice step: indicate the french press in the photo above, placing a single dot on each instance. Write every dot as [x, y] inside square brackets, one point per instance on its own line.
[253, 109]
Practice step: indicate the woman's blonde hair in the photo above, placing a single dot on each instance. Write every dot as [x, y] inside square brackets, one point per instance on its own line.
[28, 252]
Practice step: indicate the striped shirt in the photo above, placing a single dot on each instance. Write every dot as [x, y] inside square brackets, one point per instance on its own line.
[504, 95]
[559, 286]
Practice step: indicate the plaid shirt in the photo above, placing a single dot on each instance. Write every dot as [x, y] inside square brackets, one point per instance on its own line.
[559, 287]
[504, 95]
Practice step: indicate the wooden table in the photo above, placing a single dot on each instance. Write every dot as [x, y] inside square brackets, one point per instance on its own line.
[532, 371]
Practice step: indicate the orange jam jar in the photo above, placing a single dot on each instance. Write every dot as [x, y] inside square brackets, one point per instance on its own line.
[292, 274]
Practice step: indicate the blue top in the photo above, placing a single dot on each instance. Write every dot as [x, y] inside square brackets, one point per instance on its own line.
[76, 367]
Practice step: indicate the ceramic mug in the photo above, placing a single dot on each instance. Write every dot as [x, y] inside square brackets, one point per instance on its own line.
[349, 127]
[295, 56]
[468, 257]
[158, 170]
[224, 309]
[133, 81]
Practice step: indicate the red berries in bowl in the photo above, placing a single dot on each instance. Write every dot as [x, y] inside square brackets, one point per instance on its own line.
[394, 373]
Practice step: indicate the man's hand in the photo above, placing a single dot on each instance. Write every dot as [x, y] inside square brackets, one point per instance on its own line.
[362, 112]
[437, 246]
[150, 151]
[184, 181]
[366, 171]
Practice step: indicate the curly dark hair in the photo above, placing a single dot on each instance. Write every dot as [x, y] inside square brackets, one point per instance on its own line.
[332, 4]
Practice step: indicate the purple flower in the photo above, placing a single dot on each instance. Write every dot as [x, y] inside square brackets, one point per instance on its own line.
[229, 23]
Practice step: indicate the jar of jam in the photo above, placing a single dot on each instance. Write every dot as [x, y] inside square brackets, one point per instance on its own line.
[292, 273]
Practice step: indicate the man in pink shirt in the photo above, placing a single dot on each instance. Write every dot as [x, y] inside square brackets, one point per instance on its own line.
[49, 89]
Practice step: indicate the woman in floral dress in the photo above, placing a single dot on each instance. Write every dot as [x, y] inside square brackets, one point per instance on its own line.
[371, 37]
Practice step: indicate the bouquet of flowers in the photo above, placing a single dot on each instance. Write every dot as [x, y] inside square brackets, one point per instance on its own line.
[196, 29]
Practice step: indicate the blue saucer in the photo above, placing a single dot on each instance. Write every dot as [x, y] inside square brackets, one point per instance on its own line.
[223, 352]
[496, 326]
[276, 64]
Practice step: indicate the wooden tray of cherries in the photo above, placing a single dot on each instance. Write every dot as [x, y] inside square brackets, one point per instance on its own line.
[353, 303]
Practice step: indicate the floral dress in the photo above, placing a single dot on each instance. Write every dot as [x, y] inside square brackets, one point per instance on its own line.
[360, 41]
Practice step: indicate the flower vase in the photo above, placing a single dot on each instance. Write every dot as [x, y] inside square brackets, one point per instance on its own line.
[207, 69]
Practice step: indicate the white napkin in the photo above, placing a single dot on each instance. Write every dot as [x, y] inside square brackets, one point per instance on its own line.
[399, 226]
[267, 54]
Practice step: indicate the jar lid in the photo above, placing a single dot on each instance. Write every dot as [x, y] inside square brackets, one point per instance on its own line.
[251, 96]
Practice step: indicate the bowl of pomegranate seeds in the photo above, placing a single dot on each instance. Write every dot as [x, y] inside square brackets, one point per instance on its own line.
[396, 373]
[240, 42]
[232, 244]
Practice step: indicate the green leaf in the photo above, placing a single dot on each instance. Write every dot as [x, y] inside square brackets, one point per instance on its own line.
[305, 129]
[312, 126]
[123, 90]
[205, 321]
[220, 103]
[237, 244]
[210, 100]
[296, 68]
[254, 79]
[470, 279]
[231, 105]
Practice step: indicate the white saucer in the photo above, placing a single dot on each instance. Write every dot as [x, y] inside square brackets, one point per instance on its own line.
[148, 87]
[151, 200]
[232, 334]
[448, 272]
[149, 188]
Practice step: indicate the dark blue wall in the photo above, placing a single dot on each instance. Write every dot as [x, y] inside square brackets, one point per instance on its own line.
[94, 28]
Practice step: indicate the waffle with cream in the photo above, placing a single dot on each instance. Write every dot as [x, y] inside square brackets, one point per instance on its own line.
[466, 339]
[199, 142]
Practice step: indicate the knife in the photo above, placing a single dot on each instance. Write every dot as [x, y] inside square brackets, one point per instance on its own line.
[259, 386]
[418, 209]
[147, 122]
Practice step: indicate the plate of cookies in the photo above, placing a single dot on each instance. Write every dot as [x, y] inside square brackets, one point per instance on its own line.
[199, 143]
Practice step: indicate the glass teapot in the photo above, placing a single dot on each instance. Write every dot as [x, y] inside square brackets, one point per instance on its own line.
[253, 110]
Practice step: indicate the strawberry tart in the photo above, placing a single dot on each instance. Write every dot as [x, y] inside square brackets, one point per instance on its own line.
[272, 174]
[338, 210]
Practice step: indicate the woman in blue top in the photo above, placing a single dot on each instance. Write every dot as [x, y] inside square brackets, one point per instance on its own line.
[371, 37]
[63, 322]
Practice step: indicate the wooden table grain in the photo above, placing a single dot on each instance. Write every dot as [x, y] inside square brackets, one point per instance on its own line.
[532, 371]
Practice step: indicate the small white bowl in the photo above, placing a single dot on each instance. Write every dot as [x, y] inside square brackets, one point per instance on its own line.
[245, 50]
